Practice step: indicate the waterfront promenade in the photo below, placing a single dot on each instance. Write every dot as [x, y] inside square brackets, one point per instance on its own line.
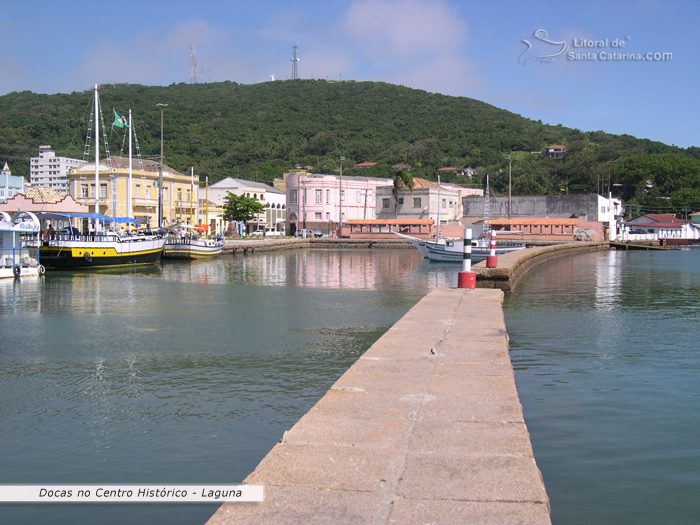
[426, 427]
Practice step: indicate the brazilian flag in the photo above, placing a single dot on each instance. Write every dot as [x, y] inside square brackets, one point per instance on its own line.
[120, 121]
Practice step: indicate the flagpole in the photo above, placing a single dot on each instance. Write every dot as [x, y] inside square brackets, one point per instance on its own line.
[128, 187]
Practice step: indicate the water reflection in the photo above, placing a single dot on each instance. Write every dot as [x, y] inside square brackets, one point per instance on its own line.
[605, 352]
[182, 372]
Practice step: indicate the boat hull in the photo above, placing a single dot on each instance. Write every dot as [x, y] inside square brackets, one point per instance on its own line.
[72, 252]
[192, 248]
[453, 251]
[21, 272]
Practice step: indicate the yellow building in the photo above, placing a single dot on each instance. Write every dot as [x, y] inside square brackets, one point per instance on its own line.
[179, 190]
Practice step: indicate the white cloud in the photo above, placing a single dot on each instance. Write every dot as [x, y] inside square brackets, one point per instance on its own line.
[418, 43]
[153, 58]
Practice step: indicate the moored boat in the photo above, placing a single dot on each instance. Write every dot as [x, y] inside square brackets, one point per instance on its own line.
[68, 249]
[188, 245]
[453, 250]
[19, 241]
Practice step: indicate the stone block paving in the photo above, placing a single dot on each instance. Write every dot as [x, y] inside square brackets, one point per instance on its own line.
[425, 428]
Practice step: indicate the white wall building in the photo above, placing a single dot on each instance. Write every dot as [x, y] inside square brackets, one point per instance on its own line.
[10, 185]
[424, 201]
[51, 171]
[273, 200]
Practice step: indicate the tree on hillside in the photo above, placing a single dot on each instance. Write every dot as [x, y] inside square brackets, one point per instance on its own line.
[239, 208]
[402, 180]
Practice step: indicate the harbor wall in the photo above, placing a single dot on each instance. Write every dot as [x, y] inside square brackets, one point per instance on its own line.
[426, 427]
[322, 243]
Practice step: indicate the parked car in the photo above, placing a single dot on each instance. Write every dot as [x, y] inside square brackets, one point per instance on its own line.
[309, 233]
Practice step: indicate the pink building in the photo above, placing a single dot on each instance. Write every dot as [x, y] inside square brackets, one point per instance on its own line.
[313, 200]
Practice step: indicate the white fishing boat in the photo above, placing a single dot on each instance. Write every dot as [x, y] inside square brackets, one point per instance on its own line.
[187, 244]
[19, 241]
[452, 250]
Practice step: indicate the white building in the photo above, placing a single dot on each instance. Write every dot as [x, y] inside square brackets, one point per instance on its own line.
[272, 220]
[10, 185]
[51, 171]
[425, 201]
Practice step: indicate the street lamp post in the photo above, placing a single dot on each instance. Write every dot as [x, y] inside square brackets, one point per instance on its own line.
[510, 180]
[340, 197]
[160, 169]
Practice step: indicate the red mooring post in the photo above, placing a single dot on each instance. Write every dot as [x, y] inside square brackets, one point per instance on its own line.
[466, 278]
[491, 259]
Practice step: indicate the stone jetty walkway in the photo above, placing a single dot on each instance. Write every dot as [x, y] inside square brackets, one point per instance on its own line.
[426, 427]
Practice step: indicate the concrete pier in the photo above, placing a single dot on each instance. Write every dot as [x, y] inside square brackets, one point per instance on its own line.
[426, 427]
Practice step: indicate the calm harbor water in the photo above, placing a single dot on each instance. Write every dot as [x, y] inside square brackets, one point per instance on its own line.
[190, 373]
[183, 372]
[607, 359]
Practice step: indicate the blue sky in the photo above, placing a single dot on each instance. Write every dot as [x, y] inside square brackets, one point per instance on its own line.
[460, 48]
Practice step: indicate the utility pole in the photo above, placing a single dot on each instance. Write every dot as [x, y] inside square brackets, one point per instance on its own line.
[340, 197]
[510, 183]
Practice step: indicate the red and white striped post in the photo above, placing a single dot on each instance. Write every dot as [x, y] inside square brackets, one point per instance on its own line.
[466, 278]
[491, 259]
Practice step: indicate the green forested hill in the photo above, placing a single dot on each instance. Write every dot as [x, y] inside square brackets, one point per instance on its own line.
[258, 131]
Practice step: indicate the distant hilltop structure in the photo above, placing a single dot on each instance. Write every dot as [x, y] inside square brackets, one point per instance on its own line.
[295, 61]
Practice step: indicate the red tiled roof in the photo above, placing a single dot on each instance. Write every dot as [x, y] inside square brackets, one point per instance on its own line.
[450, 169]
[666, 217]
[392, 222]
[365, 164]
[534, 221]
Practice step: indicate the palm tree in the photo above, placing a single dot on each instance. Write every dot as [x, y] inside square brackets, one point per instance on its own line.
[402, 180]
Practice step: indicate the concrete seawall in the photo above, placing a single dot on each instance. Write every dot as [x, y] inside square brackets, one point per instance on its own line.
[513, 266]
[323, 243]
[425, 427]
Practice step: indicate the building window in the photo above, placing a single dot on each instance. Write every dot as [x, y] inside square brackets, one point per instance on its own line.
[328, 196]
[137, 192]
[317, 216]
[103, 191]
[450, 204]
[444, 203]
[359, 198]
[148, 192]
[400, 200]
[416, 202]
[342, 196]
[328, 216]
[92, 191]
[188, 195]
[318, 196]
[385, 203]
[84, 191]
[179, 194]
[292, 196]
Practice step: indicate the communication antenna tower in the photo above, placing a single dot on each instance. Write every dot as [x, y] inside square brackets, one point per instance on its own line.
[295, 60]
[193, 66]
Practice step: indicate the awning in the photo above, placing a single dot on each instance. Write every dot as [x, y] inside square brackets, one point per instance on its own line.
[65, 216]
[123, 219]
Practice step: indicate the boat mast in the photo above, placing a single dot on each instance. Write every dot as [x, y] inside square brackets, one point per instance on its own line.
[437, 234]
[487, 210]
[97, 159]
[128, 186]
[191, 195]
